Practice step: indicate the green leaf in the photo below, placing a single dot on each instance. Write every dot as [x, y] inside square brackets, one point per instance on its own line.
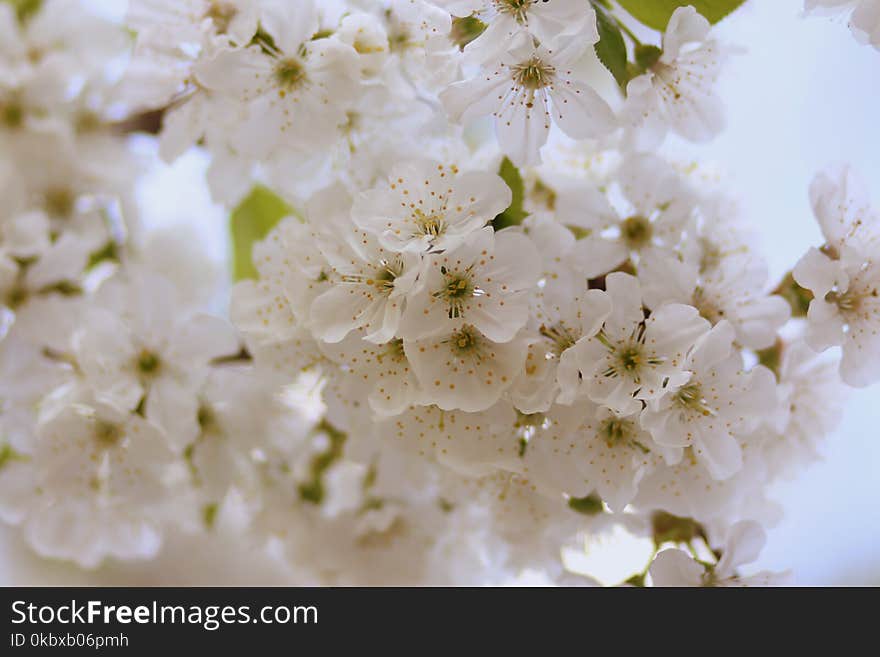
[25, 9]
[611, 48]
[8, 455]
[312, 491]
[590, 505]
[465, 30]
[250, 222]
[799, 298]
[110, 251]
[209, 515]
[656, 13]
[668, 528]
[514, 214]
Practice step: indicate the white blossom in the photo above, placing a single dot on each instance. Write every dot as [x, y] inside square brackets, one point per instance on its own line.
[634, 358]
[744, 542]
[526, 89]
[677, 91]
[427, 206]
[844, 278]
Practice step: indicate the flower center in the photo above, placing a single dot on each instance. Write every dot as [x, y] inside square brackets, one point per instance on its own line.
[432, 225]
[59, 202]
[386, 274]
[847, 302]
[691, 398]
[465, 341]
[628, 359]
[533, 74]
[148, 362]
[394, 351]
[616, 431]
[457, 289]
[107, 434]
[12, 115]
[637, 232]
[290, 73]
[561, 337]
[516, 9]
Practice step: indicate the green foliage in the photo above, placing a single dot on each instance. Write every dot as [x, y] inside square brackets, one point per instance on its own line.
[209, 515]
[611, 48]
[465, 30]
[647, 56]
[668, 528]
[771, 357]
[108, 252]
[313, 490]
[656, 13]
[250, 222]
[25, 9]
[798, 298]
[514, 214]
[590, 505]
[8, 455]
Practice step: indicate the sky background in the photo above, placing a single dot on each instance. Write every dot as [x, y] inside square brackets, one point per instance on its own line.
[804, 95]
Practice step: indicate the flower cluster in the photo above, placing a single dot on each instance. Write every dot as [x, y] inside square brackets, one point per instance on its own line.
[478, 319]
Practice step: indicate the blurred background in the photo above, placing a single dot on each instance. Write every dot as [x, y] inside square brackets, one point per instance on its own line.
[803, 95]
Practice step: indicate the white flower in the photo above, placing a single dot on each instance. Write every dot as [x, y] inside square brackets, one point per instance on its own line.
[677, 91]
[844, 278]
[650, 216]
[368, 286]
[366, 34]
[462, 368]
[845, 310]
[523, 89]
[294, 90]
[55, 271]
[192, 21]
[484, 283]
[718, 401]
[379, 373]
[864, 20]
[599, 451]
[422, 51]
[132, 349]
[72, 183]
[551, 364]
[745, 540]
[811, 405]
[633, 358]
[733, 290]
[292, 273]
[843, 209]
[689, 490]
[471, 443]
[47, 61]
[100, 481]
[505, 19]
[428, 206]
[239, 410]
